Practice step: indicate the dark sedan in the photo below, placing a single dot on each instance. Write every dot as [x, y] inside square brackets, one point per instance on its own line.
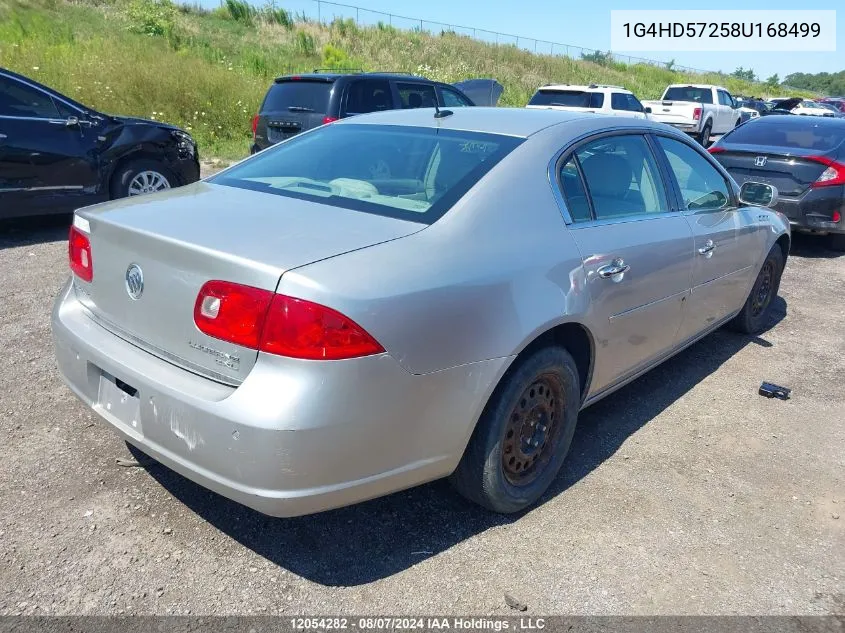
[57, 155]
[804, 158]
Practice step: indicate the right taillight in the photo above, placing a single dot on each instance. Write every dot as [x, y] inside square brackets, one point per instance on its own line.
[278, 324]
[329, 119]
[696, 114]
[830, 177]
[254, 124]
[79, 254]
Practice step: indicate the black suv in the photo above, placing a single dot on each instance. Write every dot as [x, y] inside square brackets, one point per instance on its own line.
[295, 103]
[57, 155]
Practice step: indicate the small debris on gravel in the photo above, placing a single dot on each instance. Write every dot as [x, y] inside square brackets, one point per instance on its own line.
[513, 603]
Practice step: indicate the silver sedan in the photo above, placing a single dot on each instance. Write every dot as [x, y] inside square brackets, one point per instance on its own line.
[406, 296]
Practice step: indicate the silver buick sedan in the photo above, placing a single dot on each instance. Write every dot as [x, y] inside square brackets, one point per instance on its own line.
[405, 296]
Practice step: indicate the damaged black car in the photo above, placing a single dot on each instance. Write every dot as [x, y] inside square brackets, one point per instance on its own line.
[57, 155]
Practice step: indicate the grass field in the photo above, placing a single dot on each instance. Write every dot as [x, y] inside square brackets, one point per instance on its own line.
[208, 70]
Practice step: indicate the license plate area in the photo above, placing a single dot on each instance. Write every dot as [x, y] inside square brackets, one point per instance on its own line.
[119, 402]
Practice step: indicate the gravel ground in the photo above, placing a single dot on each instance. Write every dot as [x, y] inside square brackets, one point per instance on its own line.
[685, 492]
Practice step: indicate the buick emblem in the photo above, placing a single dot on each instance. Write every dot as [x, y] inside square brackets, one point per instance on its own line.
[134, 281]
[760, 161]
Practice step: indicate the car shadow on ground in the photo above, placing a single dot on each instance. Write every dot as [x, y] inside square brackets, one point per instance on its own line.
[812, 247]
[28, 231]
[375, 539]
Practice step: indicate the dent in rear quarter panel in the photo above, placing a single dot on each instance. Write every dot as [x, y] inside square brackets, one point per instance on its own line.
[495, 272]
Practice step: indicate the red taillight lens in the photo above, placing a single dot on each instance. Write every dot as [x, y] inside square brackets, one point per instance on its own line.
[329, 119]
[254, 124]
[277, 324]
[696, 114]
[79, 254]
[302, 329]
[715, 149]
[232, 312]
[836, 217]
[832, 176]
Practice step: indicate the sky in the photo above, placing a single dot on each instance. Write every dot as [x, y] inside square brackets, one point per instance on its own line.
[560, 21]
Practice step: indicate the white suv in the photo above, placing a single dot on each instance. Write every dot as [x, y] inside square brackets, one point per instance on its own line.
[609, 100]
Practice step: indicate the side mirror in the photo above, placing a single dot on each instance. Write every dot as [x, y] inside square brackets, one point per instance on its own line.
[72, 121]
[758, 194]
[647, 110]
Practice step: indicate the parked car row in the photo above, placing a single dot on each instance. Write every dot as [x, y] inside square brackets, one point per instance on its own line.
[282, 333]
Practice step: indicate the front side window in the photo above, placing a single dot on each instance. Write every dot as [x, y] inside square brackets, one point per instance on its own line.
[368, 95]
[416, 95]
[409, 173]
[702, 186]
[20, 100]
[622, 177]
[625, 101]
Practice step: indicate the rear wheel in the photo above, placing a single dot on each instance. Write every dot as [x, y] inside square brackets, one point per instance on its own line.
[140, 177]
[837, 241]
[704, 137]
[523, 435]
[755, 314]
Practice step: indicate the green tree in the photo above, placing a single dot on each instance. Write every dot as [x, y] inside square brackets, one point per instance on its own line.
[773, 81]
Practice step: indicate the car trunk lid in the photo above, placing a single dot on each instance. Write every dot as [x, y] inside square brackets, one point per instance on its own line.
[187, 236]
[791, 173]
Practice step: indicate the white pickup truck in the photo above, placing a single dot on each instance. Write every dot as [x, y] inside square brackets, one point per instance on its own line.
[701, 111]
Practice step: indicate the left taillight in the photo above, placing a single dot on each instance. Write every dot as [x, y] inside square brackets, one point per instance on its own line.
[278, 324]
[79, 254]
[254, 124]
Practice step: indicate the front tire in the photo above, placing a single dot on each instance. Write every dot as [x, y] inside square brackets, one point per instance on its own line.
[140, 177]
[524, 434]
[755, 314]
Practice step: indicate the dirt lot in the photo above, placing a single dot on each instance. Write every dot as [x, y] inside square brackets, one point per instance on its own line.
[686, 492]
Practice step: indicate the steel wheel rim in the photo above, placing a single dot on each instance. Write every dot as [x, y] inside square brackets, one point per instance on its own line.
[148, 182]
[532, 430]
[761, 295]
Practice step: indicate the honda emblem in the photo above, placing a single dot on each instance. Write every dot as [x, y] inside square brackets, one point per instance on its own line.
[760, 161]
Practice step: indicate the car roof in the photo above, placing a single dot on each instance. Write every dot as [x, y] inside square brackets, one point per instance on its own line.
[327, 77]
[519, 122]
[799, 122]
[697, 86]
[582, 88]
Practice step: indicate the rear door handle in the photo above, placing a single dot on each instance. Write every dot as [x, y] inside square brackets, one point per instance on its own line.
[616, 267]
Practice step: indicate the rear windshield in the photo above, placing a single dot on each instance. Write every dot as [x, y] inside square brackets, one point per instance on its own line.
[798, 134]
[699, 95]
[408, 173]
[568, 98]
[298, 96]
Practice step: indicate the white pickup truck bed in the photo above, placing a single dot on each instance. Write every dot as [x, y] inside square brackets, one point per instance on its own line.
[699, 110]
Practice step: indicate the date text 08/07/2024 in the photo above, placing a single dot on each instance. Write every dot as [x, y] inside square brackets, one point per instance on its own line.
[417, 623]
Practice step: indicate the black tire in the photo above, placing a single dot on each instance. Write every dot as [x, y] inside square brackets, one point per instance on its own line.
[755, 314]
[704, 137]
[543, 387]
[126, 173]
[836, 241]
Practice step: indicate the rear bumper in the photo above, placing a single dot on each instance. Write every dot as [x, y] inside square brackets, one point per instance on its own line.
[296, 437]
[815, 209]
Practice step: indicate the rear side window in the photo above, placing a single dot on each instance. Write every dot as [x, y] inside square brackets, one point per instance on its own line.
[452, 99]
[573, 190]
[702, 186]
[298, 96]
[415, 95]
[698, 95]
[622, 177]
[409, 173]
[568, 98]
[19, 100]
[805, 134]
[368, 95]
